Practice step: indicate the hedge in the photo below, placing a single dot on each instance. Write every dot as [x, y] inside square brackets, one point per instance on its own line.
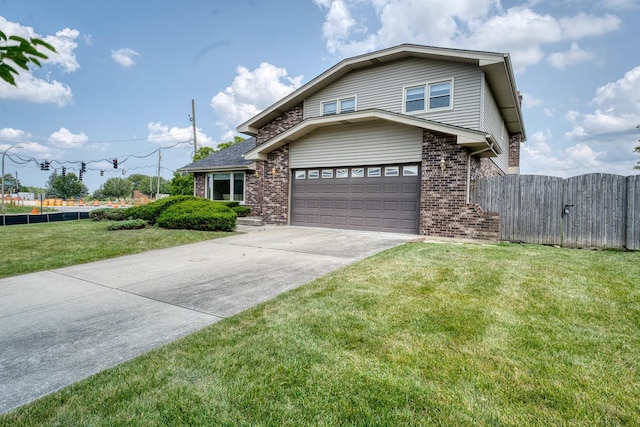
[199, 214]
[150, 212]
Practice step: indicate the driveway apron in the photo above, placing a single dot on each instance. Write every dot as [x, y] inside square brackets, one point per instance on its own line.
[60, 326]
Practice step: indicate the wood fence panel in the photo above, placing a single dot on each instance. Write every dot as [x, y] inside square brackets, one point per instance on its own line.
[633, 212]
[529, 206]
[605, 211]
[597, 218]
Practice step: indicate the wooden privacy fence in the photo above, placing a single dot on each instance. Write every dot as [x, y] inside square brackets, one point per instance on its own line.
[587, 211]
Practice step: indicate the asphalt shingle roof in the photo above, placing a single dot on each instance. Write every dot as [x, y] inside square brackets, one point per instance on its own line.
[229, 157]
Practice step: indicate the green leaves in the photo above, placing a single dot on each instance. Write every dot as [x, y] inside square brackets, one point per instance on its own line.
[21, 54]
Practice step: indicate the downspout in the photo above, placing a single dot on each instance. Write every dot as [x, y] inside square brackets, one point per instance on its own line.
[468, 189]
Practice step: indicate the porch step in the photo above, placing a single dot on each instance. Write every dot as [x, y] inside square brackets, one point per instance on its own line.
[250, 220]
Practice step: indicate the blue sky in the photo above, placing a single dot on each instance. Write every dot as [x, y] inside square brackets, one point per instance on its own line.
[122, 83]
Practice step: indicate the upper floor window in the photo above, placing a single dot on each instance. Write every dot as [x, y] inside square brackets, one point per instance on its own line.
[338, 106]
[430, 96]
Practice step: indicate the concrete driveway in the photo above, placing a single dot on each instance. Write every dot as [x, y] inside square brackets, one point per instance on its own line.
[63, 325]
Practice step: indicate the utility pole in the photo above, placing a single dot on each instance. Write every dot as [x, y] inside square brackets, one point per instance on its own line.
[193, 122]
[158, 189]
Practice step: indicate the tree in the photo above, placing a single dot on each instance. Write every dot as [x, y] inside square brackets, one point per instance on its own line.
[181, 184]
[114, 188]
[66, 187]
[20, 54]
[223, 145]
[142, 183]
[203, 152]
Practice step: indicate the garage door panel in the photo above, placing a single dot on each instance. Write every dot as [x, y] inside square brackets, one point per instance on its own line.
[365, 203]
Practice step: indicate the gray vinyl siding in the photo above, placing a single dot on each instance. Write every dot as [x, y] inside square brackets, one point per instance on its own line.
[382, 87]
[493, 124]
[357, 145]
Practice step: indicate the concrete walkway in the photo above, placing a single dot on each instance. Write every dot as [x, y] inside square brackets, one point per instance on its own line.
[63, 325]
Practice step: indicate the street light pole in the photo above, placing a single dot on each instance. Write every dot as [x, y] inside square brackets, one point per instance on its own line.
[4, 153]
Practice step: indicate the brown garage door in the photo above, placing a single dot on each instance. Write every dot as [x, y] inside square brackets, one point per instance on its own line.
[379, 198]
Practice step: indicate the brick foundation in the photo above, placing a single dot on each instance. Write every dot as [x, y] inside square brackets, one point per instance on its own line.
[443, 208]
[514, 152]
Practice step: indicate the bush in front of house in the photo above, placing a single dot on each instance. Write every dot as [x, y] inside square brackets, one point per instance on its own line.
[108, 214]
[152, 211]
[241, 210]
[199, 214]
[130, 224]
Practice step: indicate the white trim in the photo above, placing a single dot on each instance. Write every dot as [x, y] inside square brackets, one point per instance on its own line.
[209, 177]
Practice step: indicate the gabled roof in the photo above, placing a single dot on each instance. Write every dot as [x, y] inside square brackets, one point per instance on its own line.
[496, 66]
[480, 142]
[226, 159]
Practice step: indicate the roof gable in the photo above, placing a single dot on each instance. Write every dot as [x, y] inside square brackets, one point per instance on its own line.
[496, 66]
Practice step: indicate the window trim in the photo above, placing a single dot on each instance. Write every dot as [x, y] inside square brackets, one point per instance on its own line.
[427, 96]
[338, 104]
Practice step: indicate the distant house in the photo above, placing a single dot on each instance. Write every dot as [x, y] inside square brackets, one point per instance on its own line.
[386, 141]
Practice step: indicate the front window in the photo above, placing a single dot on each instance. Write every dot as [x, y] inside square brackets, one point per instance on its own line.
[338, 106]
[226, 186]
[347, 105]
[440, 95]
[329, 108]
[414, 99]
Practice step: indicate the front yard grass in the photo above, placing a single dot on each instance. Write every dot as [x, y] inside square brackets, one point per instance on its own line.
[35, 247]
[422, 334]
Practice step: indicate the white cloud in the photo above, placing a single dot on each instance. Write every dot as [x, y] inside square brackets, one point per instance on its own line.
[31, 88]
[29, 148]
[251, 92]
[617, 112]
[124, 57]
[472, 24]
[65, 139]
[65, 43]
[529, 101]
[574, 56]
[160, 133]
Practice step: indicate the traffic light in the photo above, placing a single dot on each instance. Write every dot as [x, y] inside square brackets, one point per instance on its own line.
[101, 172]
[80, 173]
[83, 167]
[115, 163]
[64, 171]
[44, 166]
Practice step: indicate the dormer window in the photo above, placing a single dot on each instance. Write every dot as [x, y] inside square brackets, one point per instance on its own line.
[338, 106]
[429, 96]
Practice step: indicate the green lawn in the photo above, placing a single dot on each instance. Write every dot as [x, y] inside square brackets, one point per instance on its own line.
[35, 247]
[422, 334]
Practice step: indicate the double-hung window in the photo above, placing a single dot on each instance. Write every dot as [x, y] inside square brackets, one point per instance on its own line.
[225, 186]
[427, 97]
[338, 106]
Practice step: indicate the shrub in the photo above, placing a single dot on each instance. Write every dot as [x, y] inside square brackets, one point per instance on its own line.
[200, 214]
[232, 204]
[150, 212]
[130, 224]
[241, 210]
[108, 214]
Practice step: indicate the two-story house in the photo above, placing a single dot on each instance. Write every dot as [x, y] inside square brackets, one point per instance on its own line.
[388, 141]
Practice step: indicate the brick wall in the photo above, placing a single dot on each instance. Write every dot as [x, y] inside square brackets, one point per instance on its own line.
[514, 150]
[254, 189]
[199, 181]
[443, 208]
[274, 209]
[269, 193]
[280, 124]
